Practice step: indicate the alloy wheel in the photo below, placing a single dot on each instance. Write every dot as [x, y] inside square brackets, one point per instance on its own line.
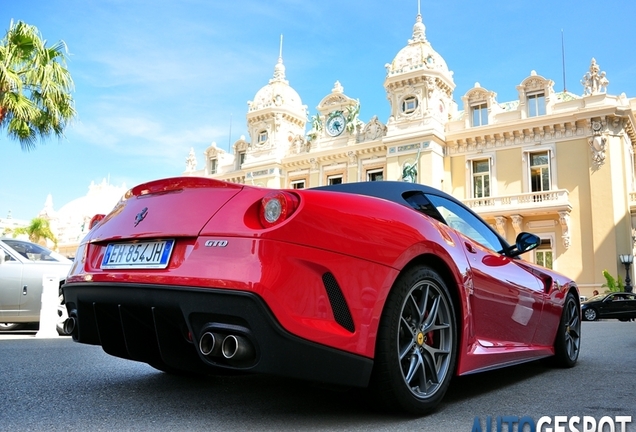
[425, 339]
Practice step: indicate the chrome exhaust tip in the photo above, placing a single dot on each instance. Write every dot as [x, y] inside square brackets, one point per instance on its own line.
[209, 344]
[236, 347]
[69, 325]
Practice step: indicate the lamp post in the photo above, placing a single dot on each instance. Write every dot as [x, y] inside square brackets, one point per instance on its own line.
[627, 260]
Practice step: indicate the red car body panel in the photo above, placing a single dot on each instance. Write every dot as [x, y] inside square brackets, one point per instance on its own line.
[508, 309]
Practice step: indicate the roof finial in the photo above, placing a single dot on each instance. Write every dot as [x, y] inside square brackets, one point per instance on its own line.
[280, 52]
[279, 69]
[419, 30]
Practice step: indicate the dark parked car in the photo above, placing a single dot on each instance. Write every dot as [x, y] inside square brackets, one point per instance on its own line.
[620, 305]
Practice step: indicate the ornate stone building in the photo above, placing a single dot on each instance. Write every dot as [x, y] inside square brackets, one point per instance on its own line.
[558, 164]
[70, 223]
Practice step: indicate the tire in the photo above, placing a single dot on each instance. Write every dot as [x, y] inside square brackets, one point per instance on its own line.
[591, 314]
[10, 326]
[416, 348]
[567, 344]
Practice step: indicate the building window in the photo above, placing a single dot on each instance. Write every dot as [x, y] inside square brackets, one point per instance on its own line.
[375, 175]
[213, 166]
[540, 171]
[536, 104]
[298, 184]
[480, 114]
[481, 178]
[241, 158]
[334, 180]
[262, 137]
[409, 105]
[544, 254]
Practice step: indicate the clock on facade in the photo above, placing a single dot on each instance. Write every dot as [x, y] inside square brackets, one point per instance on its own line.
[336, 124]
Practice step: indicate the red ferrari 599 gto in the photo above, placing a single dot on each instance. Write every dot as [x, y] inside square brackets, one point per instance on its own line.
[392, 285]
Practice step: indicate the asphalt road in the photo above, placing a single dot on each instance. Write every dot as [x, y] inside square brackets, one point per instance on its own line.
[59, 385]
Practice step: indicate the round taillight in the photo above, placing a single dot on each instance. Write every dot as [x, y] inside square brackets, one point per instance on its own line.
[272, 210]
[276, 207]
[95, 220]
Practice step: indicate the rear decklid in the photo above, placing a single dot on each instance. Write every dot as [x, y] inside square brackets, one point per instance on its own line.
[172, 207]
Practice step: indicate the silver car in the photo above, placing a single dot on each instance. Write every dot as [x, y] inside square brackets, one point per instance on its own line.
[22, 266]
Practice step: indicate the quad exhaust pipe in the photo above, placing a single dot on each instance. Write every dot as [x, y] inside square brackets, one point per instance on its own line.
[210, 344]
[237, 348]
[231, 347]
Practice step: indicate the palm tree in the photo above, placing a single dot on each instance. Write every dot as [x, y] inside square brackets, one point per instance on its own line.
[37, 230]
[35, 86]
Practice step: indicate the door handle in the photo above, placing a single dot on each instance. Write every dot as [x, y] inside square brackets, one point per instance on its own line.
[469, 247]
[24, 290]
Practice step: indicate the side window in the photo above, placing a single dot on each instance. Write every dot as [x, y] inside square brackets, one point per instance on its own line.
[419, 202]
[7, 257]
[460, 219]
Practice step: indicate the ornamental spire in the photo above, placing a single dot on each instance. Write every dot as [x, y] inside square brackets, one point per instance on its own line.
[419, 29]
[279, 69]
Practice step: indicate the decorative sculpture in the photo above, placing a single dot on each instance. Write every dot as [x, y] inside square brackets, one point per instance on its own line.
[593, 81]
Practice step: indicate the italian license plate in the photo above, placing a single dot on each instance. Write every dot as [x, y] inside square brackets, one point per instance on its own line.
[142, 254]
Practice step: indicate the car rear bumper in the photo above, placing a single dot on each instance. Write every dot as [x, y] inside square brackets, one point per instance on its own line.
[163, 326]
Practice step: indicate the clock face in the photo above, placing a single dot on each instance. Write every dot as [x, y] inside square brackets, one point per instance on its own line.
[336, 125]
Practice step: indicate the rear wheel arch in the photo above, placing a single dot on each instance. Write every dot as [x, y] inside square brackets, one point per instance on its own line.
[444, 271]
[416, 353]
[575, 292]
[568, 338]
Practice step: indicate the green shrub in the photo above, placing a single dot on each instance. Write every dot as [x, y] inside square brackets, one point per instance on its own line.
[613, 285]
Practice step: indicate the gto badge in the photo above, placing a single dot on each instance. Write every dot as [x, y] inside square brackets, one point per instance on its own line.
[216, 243]
[141, 216]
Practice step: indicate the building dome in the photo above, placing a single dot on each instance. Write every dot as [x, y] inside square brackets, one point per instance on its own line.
[72, 219]
[418, 54]
[277, 93]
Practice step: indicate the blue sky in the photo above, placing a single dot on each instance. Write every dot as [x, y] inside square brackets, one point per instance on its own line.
[154, 78]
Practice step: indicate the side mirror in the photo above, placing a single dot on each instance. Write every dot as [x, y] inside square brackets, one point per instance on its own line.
[525, 243]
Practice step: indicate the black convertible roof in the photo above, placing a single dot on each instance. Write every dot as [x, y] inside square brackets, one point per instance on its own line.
[395, 191]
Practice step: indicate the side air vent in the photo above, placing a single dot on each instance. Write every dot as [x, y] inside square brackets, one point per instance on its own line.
[338, 303]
